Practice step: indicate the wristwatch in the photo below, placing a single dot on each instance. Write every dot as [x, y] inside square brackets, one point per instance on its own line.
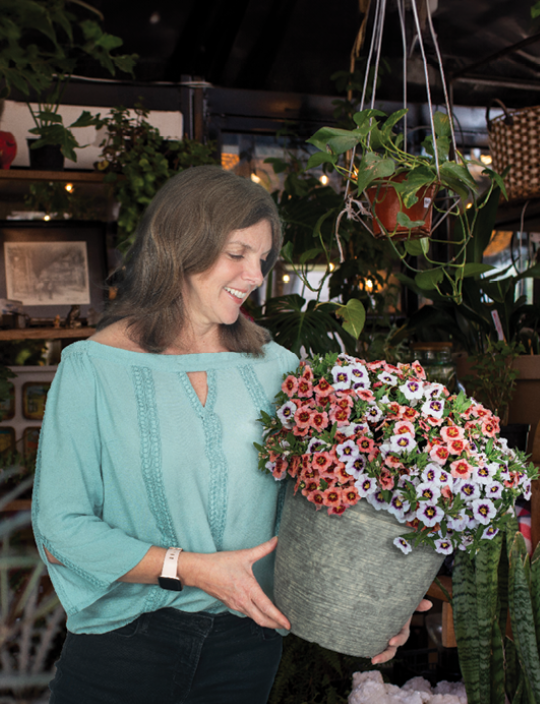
[168, 579]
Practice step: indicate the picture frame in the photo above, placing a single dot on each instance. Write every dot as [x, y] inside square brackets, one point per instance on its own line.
[30, 442]
[34, 397]
[50, 266]
[7, 439]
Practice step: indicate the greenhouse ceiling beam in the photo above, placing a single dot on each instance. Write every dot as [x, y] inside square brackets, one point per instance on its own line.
[497, 55]
[500, 82]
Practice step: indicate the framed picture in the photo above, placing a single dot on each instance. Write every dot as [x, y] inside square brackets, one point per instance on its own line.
[30, 442]
[7, 406]
[34, 397]
[7, 439]
[50, 266]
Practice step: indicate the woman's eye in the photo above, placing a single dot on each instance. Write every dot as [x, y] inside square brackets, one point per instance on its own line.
[236, 256]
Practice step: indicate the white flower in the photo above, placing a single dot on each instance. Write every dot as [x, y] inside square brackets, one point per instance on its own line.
[429, 514]
[286, 413]
[428, 491]
[398, 506]
[490, 532]
[468, 490]
[444, 546]
[413, 389]
[433, 407]
[483, 475]
[376, 499]
[356, 466]
[316, 445]
[403, 545]
[373, 413]
[432, 473]
[459, 523]
[365, 485]
[494, 490]
[347, 451]
[359, 374]
[527, 490]
[433, 390]
[387, 378]
[402, 443]
[341, 378]
[483, 511]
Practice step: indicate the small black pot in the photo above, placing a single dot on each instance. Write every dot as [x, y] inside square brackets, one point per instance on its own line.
[46, 158]
[517, 435]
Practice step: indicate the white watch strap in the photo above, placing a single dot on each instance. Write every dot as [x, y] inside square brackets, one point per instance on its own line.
[170, 563]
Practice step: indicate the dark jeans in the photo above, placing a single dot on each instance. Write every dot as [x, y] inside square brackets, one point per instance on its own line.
[170, 657]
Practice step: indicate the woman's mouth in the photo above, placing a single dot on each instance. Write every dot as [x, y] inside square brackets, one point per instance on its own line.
[235, 293]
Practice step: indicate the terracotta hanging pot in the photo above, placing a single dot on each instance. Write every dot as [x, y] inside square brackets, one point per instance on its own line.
[341, 581]
[385, 206]
[8, 149]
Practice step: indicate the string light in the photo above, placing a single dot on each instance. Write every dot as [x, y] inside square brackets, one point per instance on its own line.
[324, 180]
[285, 278]
[331, 266]
[486, 159]
[69, 187]
[255, 178]
[47, 217]
[369, 285]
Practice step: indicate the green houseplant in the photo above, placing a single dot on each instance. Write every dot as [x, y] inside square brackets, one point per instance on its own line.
[384, 167]
[137, 161]
[41, 45]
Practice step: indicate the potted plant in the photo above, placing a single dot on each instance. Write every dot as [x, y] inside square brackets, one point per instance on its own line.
[137, 160]
[386, 174]
[41, 46]
[400, 467]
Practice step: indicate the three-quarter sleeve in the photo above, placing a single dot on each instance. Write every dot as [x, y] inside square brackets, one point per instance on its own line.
[68, 493]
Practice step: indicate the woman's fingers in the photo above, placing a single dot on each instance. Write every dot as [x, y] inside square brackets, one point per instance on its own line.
[401, 638]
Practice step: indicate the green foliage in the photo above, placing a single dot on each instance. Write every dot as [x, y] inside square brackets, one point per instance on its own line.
[470, 320]
[494, 380]
[314, 327]
[53, 199]
[41, 46]
[535, 10]
[500, 580]
[311, 674]
[136, 151]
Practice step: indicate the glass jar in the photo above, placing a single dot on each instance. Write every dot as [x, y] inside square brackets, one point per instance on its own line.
[436, 358]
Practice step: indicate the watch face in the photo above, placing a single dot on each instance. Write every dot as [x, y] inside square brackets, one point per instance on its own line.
[173, 585]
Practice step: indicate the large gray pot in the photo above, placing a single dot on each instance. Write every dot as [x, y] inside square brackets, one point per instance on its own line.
[339, 579]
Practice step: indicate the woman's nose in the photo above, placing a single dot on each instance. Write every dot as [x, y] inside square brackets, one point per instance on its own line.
[253, 273]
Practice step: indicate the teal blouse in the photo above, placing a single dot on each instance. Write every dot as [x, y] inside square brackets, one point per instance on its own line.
[129, 458]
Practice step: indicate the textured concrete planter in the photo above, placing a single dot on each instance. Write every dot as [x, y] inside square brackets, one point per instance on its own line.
[340, 580]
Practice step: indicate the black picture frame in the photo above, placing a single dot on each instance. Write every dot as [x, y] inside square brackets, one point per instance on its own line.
[93, 234]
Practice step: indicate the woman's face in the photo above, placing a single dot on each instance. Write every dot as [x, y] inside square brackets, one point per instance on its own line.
[215, 296]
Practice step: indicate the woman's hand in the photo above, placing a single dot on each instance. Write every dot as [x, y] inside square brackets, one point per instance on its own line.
[228, 576]
[401, 637]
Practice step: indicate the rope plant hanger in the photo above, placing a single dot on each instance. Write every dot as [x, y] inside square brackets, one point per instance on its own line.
[390, 190]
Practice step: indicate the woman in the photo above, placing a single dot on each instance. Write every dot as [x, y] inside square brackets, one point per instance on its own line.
[156, 525]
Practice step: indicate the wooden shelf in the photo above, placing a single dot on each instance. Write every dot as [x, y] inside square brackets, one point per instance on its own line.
[18, 505]
[68, 176]
[45, 333]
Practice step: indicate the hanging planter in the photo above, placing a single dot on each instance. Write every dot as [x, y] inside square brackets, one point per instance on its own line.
[392, 219]
[340, 580]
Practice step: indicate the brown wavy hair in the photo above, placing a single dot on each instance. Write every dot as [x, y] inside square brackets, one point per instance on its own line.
[182, 233]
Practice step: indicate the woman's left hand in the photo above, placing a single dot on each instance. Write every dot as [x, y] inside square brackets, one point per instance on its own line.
[401, 637]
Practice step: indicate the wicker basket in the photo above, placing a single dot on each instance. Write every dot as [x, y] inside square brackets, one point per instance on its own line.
[514, 141]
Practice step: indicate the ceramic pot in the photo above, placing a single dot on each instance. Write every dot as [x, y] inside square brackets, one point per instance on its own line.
[385, 205]
[46, 158]
[8, 149]
[340, 580]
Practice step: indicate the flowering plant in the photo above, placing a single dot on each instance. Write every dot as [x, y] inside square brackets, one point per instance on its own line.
[347, 430]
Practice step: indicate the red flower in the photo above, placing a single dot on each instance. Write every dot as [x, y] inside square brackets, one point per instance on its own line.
[340, 415]
[323, 388]
[365, 444]
[386, 480]
[456, 447]
[290, 385]
[460, 469]
[295, 464]
[318, 420]
[302, 417]
[321, 460]
[305, 388]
